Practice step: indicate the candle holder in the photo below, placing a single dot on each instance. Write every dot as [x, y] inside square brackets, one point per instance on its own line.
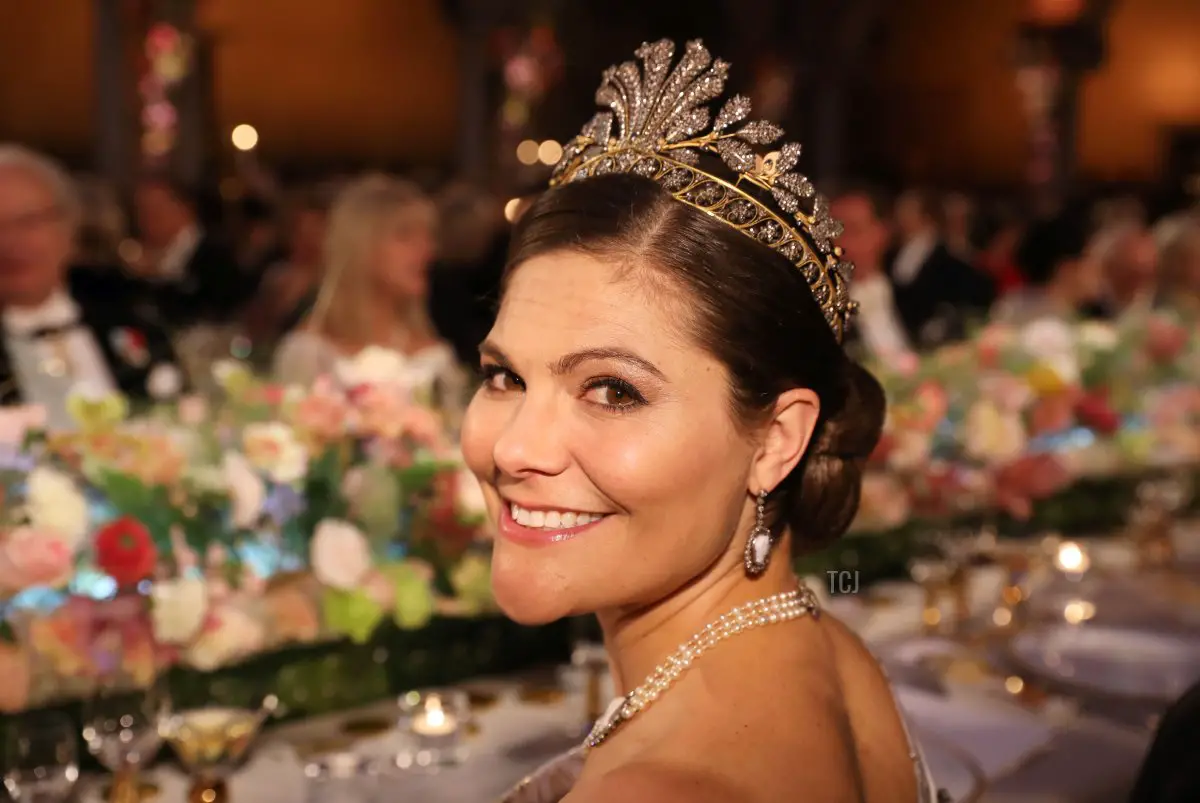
[436, 721]
[933, 576]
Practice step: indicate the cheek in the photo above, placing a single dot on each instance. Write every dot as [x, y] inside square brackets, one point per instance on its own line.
[481, 428]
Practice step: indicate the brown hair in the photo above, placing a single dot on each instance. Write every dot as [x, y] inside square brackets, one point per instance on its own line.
[752, 310]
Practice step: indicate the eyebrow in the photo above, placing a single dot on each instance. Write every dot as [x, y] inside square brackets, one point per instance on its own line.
[569, 362]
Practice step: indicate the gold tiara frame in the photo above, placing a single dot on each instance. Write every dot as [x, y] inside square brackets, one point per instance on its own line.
[663, 125]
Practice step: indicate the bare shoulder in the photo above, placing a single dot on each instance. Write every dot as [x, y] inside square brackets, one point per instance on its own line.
[648, 782]
[661, 783]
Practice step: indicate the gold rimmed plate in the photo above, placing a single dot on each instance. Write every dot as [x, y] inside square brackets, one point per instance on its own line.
[541, 694]
[366, 727]
[482, 699]
[323, 747]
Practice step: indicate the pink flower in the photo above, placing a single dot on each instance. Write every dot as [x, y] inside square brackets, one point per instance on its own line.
[1165, 339]
[324, 413]
[193, 410]
[16, 422]
[382, 411]
[30, 557]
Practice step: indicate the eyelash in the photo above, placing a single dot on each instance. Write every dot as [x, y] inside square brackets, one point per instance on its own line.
[492, 371]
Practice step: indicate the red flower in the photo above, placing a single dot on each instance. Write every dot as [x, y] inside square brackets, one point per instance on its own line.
[1095, 412]
[125, 551]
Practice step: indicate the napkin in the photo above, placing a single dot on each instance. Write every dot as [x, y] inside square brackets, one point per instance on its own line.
[997, 736]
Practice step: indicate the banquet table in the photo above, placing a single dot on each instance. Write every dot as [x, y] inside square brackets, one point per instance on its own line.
[982, 748]
[1086, 761]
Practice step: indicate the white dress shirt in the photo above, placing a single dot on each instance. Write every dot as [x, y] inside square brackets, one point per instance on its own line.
[172, 266]
[47, 368]
[911, 257]
[877, 321]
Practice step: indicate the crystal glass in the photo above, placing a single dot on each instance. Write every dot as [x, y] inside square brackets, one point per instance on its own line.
[436, 721]
[41, 764]
[123, 727]
[212, 742]
[933, 576]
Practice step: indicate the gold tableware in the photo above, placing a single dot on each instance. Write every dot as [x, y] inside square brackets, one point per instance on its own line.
[210, 743]
[128, 787]
[366, 727]
[482, 699]
[541, 694]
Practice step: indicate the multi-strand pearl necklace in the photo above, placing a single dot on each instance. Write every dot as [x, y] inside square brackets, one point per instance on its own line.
[766, 611]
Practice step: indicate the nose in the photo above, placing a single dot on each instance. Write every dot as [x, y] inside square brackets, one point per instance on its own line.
[532, 440]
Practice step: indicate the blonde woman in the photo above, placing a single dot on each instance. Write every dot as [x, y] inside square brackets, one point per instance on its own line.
[378, 248]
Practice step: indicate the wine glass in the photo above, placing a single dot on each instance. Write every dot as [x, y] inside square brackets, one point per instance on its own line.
[41, 762]
[211, 742]
[122, 729]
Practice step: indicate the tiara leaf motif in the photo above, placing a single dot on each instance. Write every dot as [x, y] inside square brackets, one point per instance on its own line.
[658, 124]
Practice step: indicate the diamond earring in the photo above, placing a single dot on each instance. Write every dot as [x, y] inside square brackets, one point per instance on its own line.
[758, 546]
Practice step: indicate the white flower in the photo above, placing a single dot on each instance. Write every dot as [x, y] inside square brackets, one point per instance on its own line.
[233, 634]
[1098, 335]
[1052, 342]
[54, 502]
[911, 449]
[165, 382]
[372, 366]
[470, 501]
[179, 609]
[339, 554]
[247, 491]
[273, 448]
[993, 435]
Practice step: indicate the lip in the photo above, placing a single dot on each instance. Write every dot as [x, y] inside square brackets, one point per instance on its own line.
[510, 530]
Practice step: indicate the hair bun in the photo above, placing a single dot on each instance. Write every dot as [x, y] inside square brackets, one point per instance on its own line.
[822, 508]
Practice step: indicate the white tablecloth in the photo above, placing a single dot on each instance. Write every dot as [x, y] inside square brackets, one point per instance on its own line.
[1022, 759]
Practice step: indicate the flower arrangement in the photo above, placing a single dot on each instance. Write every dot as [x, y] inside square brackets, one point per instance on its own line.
[210, 530]
[1015, 415]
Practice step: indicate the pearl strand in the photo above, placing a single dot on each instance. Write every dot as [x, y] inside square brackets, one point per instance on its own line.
[775, 609]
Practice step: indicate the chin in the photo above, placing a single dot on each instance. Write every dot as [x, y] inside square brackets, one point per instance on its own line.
[525, 591]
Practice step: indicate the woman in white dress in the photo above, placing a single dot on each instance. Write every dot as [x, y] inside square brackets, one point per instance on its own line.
[667, 415]
[379, 245]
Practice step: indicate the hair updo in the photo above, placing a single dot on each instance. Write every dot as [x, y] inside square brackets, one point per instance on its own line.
[752, 310]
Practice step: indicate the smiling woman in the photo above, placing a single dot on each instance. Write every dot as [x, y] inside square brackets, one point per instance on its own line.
[666, 413]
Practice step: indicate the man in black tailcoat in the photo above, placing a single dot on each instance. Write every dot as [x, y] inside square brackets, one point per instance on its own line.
[62, 329]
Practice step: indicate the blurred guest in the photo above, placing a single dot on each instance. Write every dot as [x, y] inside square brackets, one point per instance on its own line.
[1171, 770]
[378, 250]
[864, 239]
[1064, 277]
[197, 277]
[289, 287]
[257, 235]
[998, 259]
[958, 226]
[465, 283]
[1129, 256]
[936, 293]
[102, 224]
[62, 327]
[1179, 287]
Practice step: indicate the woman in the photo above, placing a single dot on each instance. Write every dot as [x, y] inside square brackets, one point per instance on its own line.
[1180, 285]
[1064, 277]
[289, 287]
[666, 416]
[377, 253]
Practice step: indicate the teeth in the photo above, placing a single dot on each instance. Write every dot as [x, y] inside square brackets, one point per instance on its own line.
[552, 519]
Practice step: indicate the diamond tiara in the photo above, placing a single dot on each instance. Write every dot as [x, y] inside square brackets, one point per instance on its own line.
[663, 126]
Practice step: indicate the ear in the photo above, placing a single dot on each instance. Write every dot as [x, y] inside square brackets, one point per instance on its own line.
[787, 437]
